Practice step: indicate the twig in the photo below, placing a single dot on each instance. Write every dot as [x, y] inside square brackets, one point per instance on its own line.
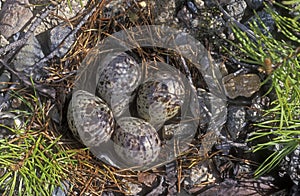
[71, 73]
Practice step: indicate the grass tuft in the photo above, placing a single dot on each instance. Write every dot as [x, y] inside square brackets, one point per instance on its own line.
[279, 59]
[32, 161]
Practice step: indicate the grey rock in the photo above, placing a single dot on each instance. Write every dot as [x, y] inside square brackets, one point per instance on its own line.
[185, 16]
[255, 111]
[165, 11]
[225, 147]
[291, 165]
[62, 190]
[2, 171]
[236, 9]
[5, 133]
[236, 121]
[201, 173]
[199, 4]
[3, 41]
[131, 188]
[209, 3]
[113, 8]
[55, 115]
[241, 85]
[108, 193]
[171, 177]
[266, 18]
[13, 16]
[30, 54]
[58, 37]
[192, 7]
[254, 4]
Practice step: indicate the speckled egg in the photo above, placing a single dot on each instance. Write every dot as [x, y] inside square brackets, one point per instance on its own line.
[160, 97]
[90, 118]
[117, 80]
[136, 141]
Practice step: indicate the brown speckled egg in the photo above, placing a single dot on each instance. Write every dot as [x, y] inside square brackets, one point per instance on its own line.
[90, 118]
[160, 97]
[136, 141]
[117, 80]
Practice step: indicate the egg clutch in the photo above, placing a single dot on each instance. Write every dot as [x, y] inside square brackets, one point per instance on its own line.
[130, 109]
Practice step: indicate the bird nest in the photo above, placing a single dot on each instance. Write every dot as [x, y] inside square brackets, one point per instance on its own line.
[47, 130]
[90, 175]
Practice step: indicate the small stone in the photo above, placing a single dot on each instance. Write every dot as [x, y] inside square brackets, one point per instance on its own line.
[131, 188]
[164, 12]
[3, 41]
[293, 168]
[241, 186]
[62, 190]
[236, 9]
[143, 4]
[195, 23]
[30, 54]
[236, 121]
[16, 102]
[146, 178]
[70, 9]
[113, 8]
[199, 4]
[200, 174]
[185, 16]
[294, 12]
[255, 111]
[13, 16]
[241, 85]
[192, 7]
[54, 114]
